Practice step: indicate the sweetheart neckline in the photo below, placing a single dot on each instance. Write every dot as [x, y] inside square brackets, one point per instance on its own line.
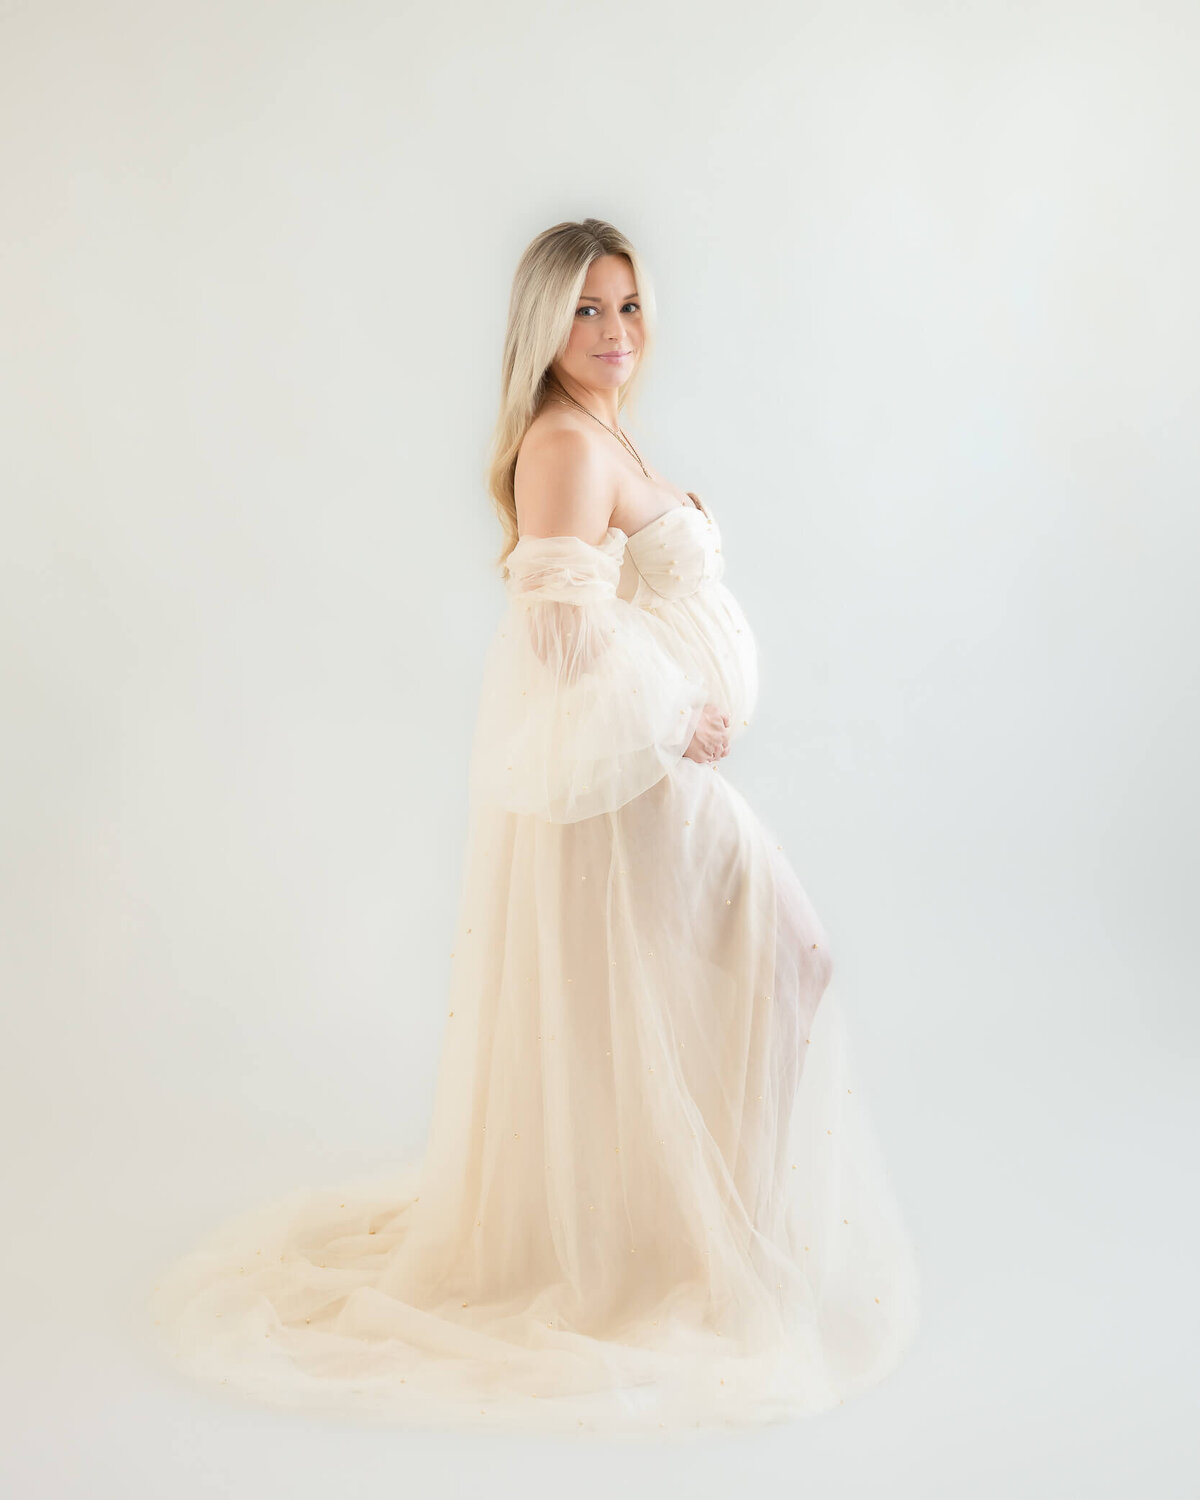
[690, 504]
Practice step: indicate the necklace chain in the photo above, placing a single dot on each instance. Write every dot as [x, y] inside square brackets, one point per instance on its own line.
[618, 434]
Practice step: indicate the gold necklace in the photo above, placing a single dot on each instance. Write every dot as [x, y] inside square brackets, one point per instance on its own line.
[619, 435]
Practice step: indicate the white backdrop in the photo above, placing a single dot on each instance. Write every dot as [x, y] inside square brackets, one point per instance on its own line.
[928, 337]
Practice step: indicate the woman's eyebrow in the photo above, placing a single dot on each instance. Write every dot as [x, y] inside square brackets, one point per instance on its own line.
[626, 298]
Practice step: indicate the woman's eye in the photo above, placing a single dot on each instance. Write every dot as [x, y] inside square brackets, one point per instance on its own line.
[635, 305]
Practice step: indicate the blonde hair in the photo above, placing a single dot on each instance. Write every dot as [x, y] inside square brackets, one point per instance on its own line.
[545, 292]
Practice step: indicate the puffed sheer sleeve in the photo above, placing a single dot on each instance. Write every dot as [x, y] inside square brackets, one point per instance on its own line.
[583, 706]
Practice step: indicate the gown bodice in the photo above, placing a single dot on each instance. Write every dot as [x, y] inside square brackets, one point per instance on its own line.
[674, 568]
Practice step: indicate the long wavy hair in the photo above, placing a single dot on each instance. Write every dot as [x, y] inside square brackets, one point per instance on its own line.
[545, 292]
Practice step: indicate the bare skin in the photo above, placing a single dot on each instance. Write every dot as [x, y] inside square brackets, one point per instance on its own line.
[574, 479]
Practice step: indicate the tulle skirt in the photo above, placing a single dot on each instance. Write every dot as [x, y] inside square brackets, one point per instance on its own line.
[652, 1196]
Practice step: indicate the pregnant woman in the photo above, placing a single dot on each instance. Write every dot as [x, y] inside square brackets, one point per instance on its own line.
[651, 1196]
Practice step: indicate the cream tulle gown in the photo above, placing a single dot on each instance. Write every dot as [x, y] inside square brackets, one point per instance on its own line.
[651, 1196]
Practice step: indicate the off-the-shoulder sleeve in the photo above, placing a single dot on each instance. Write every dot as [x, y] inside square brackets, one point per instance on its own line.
[583, 706]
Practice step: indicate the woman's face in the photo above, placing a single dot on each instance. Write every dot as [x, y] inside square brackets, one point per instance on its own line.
[606, 334]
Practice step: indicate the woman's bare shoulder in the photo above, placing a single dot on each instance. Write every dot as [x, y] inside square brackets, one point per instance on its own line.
[562, 482]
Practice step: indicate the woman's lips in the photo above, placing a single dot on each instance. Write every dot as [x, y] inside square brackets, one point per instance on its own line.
[614, 358]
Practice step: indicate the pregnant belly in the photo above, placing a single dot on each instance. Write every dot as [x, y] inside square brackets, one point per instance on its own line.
[713, 633]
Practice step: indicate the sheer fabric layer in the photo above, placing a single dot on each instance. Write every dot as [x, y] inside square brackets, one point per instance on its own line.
[652, 1195]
